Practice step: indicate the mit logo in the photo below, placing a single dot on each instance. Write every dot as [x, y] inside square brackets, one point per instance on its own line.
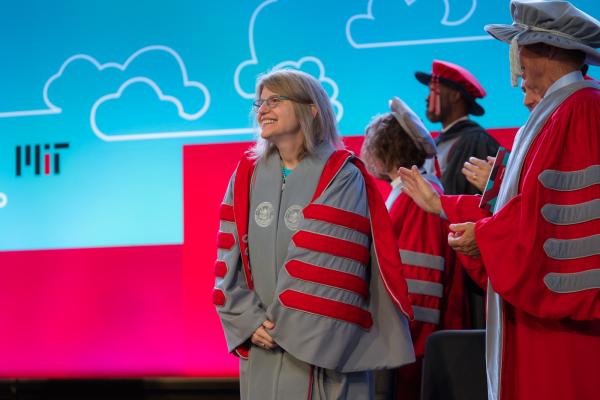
[39, 155]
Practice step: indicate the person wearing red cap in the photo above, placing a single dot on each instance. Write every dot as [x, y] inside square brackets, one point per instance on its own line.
[452, 97]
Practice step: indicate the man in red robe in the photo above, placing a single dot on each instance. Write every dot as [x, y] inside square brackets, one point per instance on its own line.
[541, 247]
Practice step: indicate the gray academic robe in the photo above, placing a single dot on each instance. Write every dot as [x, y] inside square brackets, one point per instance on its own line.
[334, 320]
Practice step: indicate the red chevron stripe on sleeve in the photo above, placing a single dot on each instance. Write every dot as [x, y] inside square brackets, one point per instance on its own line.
[331, 245]
[225, 240]
[226, 213]
[328, 277]
[326, 308]
[218, 297]
[220, 269]
[338, 216]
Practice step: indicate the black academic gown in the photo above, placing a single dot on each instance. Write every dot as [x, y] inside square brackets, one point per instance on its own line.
[471, 141]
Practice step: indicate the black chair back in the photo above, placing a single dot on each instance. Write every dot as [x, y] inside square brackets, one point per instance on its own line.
[454, 366]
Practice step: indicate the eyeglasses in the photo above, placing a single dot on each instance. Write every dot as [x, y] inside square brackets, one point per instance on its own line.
[273, 102]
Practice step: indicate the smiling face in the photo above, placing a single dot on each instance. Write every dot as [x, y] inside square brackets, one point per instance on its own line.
[278, 122]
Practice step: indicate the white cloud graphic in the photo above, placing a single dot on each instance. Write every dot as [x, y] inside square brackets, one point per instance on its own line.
[163, 98]
[446, 20]
[52, 108]
[253, 58]
[254, 62]
[3, 200]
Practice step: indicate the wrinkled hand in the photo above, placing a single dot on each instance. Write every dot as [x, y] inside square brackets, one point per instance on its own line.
[462, 239]
[420, 190]
[262, 338]
[477, 171]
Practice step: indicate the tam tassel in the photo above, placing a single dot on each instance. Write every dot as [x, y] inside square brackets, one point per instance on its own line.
[515, 63]
[434, 105]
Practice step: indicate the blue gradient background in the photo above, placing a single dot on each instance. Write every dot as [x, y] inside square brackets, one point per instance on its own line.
[129, 192]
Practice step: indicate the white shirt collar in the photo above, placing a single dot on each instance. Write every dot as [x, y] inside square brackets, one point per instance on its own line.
[563, 81]
[396, 182]
[456, 121]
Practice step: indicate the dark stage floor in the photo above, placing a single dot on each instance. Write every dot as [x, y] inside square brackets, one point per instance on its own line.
[119, 389]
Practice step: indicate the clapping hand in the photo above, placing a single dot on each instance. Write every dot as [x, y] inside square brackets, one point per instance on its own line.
[420, 190]
[478, 171]
[462, 239]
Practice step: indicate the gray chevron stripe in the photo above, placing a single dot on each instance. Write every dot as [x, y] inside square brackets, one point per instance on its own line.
[422, 260]
[571, 214]
[424, 287]
[425, 314]
[574, 282]
[567, 181]
[568, 249]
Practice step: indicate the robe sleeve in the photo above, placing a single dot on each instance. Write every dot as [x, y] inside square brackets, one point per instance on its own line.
[331, 308]
[542, 249]
[465, 208]
[239, 308]
[462, 208]
[429, 268]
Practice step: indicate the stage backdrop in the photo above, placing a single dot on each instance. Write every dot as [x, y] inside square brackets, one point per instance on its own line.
[120, 124]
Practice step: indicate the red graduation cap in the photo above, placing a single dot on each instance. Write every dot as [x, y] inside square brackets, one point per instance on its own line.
[458, 78]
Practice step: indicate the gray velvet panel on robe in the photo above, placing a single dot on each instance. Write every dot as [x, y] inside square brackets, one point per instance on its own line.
[275, 212]
[332, 343]
[285, 371]
[243, 311]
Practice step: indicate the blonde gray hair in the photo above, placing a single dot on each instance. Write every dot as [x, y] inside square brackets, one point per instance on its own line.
[317, 129]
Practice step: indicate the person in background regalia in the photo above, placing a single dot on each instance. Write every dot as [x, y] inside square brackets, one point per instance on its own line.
[435, 282]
